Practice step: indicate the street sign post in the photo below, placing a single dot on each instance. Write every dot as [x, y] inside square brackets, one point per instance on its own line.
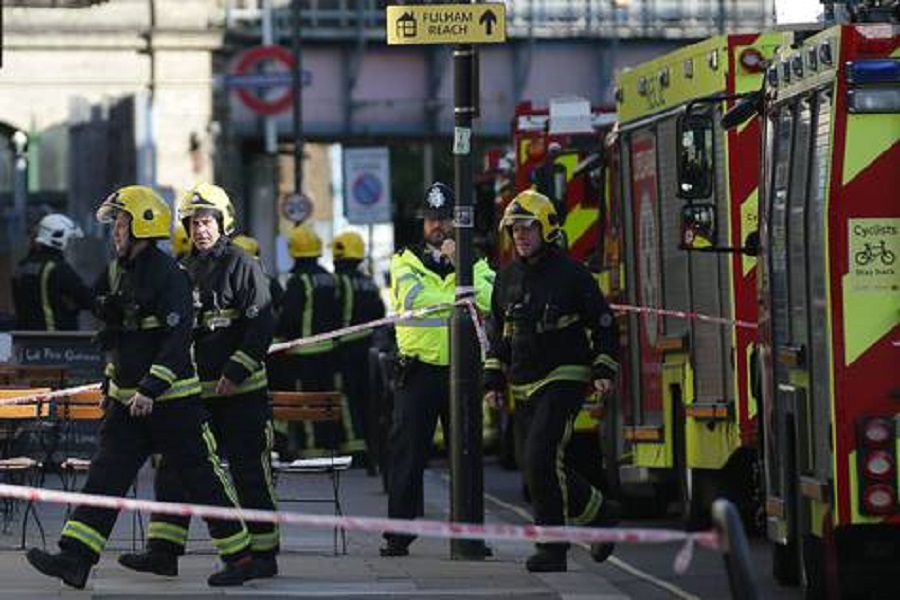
[463, 25]
[446, 24]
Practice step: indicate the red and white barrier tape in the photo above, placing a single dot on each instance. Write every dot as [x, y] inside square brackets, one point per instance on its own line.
[439, 529]
[410, 314]
[682, 314]
[45, 396]
[330, 335]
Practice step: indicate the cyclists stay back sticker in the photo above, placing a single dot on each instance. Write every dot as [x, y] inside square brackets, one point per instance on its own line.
[874, 247]
[871, 287]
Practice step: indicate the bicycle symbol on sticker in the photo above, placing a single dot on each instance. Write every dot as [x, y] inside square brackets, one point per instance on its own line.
[871, 252]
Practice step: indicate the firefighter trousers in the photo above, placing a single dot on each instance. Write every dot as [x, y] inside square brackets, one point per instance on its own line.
[354, 372]
[423, 395]
[176, 429]
[559, 494]
[242, 428]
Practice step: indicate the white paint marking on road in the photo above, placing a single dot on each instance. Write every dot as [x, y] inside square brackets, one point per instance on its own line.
[612, 560]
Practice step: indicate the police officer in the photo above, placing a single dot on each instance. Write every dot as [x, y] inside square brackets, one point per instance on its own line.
[151, 395]
[310, 306]
[551, 333]
[251, 246]
[422, 277]
[232, 333]
[360, 303]
[47, 292]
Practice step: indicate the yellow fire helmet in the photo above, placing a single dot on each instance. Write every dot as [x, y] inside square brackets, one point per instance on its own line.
[304, 243]
[181, 243]
[210, 197]
[151, 217]
[532, 206]
[348, 245]
[247, 244]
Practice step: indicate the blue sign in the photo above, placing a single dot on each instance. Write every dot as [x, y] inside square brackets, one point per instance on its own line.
[263, 80]
[367, 189]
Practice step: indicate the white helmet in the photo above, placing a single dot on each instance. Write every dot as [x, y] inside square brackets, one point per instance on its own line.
[55, 231]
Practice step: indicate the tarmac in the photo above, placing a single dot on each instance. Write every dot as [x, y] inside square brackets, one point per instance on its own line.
[308, 564]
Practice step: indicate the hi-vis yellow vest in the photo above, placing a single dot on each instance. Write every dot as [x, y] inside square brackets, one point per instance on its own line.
[414, 286]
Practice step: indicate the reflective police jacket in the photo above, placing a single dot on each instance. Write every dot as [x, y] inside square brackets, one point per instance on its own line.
[360, 298]
[417, 281]
[548, 322]
[310, 305]
[145, 306]
[48, 293]
[234, 323]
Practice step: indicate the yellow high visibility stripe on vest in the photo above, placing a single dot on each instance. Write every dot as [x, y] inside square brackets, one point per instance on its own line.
[181, 388]
[255, 381]
[580, 373]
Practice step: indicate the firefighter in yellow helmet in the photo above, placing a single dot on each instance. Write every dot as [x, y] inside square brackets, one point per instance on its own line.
[232, 333]
[551, 335]
[310, 306]
[249, 245]
[423, 276]
[360, 303]
[152, 395]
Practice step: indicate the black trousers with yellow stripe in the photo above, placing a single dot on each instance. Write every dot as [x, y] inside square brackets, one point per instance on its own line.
[242, 427]
[559, 494]
[176, 429]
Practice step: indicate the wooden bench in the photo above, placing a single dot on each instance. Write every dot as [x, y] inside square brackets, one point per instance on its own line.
[313, 407]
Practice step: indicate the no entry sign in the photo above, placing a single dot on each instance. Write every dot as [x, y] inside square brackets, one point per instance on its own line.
[251, 82]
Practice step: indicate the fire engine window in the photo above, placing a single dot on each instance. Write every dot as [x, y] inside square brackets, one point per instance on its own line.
[695, 152]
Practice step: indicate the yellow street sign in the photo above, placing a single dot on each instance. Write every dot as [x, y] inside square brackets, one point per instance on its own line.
[447, 24]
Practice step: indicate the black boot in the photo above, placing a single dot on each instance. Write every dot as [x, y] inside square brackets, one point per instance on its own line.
[235, 573]
[395, 545]
[265, 565]
[392, 548]
[158, 563]
[68, 566]
[547, 559]
[609, 516]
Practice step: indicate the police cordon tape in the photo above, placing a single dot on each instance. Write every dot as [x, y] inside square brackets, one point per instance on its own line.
[466, 299]
[682, 314]
[438, 529]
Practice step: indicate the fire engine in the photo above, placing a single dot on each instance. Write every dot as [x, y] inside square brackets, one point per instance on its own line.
[559, 150]
[686, 426]
[829, 298]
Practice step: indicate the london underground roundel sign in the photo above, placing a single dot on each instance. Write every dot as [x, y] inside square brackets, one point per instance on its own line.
[247, 66]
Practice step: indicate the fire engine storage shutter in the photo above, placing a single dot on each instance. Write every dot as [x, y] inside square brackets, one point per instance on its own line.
[820, 359]
[707, 286]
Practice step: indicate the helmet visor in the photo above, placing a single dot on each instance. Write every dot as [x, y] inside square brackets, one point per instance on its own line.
[107, 212]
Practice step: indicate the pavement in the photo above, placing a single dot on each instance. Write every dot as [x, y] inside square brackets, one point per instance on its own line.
[309, 567]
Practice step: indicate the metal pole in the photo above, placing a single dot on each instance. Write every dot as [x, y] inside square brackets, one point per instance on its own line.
[466, 468]
[297, 84]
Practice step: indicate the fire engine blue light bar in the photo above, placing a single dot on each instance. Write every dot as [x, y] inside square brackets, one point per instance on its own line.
[873, 71]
